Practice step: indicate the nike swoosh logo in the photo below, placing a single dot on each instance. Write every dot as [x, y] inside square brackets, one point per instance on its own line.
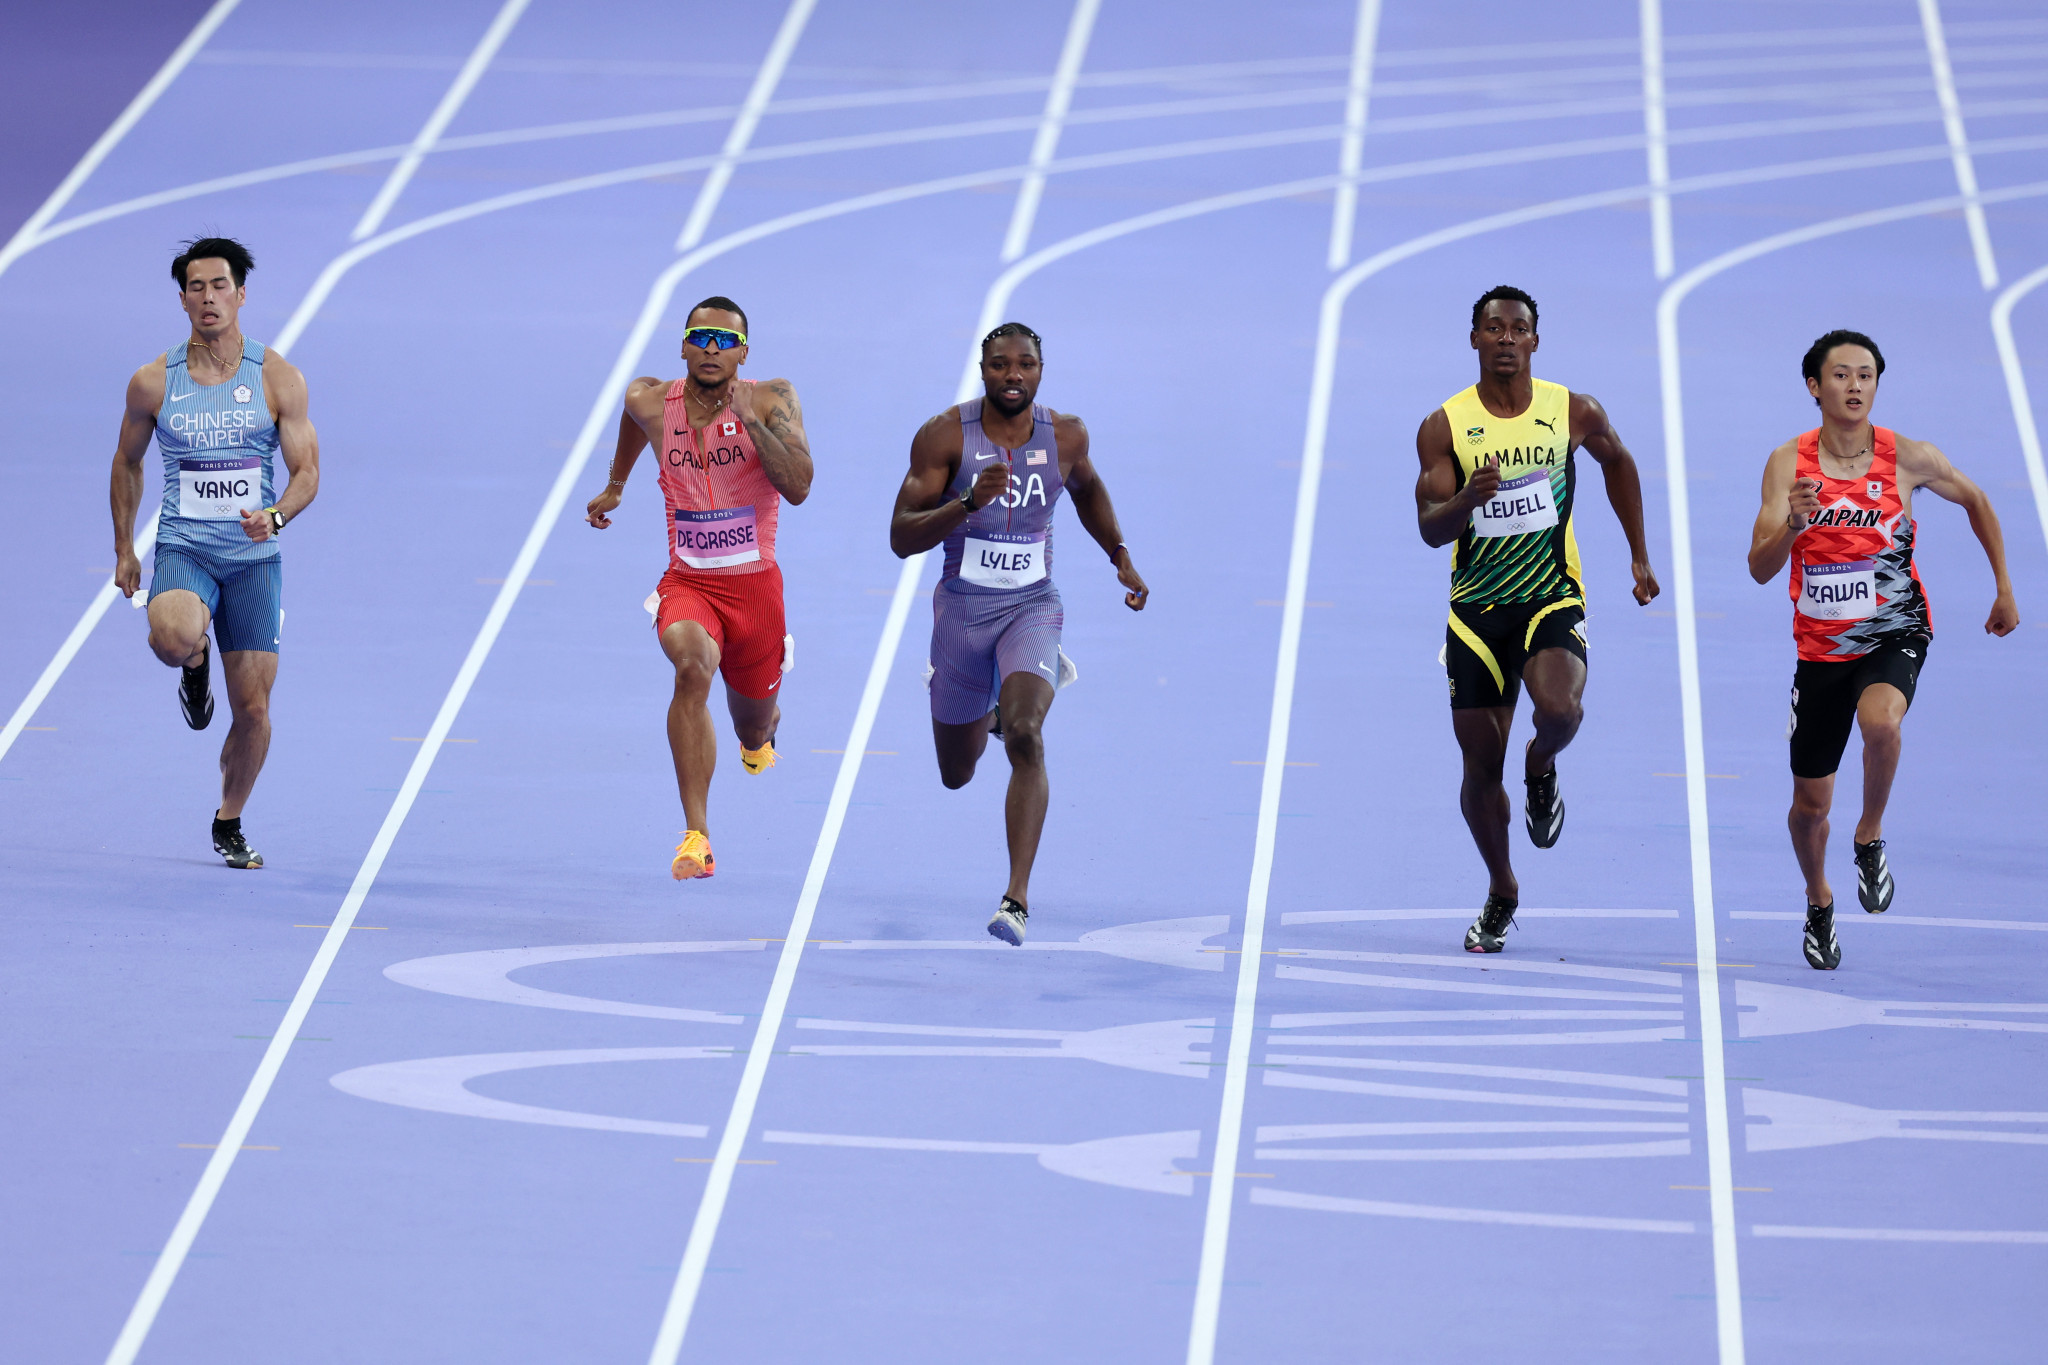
[989, 456]
[183, 396]
[1048, 672]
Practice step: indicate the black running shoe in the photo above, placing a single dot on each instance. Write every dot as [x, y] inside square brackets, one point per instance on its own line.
[1823, 949]
[1545, 810]
[229, 844]
[1007, 923]
[195, 697]
[1873, 877]
[1489, 932]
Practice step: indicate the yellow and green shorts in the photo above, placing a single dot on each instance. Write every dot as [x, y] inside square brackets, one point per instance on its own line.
[1486, 646]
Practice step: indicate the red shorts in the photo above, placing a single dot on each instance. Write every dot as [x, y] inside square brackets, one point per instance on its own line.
[742, 612]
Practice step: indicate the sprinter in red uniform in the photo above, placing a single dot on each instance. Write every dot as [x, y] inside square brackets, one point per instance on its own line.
[731, 451]
[1838, 502]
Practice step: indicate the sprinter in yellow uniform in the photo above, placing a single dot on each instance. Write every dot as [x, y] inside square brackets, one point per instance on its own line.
[1499, 482]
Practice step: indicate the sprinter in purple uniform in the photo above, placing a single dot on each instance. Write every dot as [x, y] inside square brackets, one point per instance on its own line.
[983, 479]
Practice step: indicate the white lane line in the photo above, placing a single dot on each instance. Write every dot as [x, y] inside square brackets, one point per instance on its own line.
[1655, 128]
[1080, 27]
[178, 1246]
[1208, 1302]
[682, 1301]
[1344, 216]
[2015, 388]
[742, 131]
[1958, 141]
[1720, 1174]
[67, 651]
[25, 237]
[452, 100]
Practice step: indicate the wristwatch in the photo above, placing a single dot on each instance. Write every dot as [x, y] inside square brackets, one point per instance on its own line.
[967, 501]
[276, 521]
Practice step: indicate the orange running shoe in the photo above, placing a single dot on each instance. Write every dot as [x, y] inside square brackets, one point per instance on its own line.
[759, 760]
[693, 857]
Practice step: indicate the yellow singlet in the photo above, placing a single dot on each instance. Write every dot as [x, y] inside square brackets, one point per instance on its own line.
[1519, 546]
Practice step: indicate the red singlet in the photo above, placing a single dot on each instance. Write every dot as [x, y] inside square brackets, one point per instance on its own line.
[721, 507]
[1853, 580]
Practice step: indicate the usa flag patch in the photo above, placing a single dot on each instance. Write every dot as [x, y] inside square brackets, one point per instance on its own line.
[1034, 457]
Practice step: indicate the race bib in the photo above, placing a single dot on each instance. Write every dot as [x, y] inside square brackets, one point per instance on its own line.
[1838, 592]
[716, 539]
[997, 560]
[1517, 508]
[219, 488]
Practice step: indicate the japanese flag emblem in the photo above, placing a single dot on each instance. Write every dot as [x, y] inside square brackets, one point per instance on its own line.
[243, 393]
[1876, 487]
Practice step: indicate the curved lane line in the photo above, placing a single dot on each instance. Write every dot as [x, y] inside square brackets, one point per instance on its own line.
[25, 237]
[2016, 387]
[1958, 141]
[741, 134]
[1058, 100]
[1351, 155]
[452, 100]
[1728, 1299]
[1209, 1275]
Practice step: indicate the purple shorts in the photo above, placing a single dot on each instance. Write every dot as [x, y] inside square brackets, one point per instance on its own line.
[980, 638]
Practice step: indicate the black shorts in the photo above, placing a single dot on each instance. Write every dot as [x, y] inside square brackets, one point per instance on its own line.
[1485, 647]
[1825, 693]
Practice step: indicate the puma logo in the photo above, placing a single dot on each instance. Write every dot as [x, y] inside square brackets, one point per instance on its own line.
[1545, 425]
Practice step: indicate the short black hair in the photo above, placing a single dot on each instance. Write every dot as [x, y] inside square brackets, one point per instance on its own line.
[723, 305]
[1503, 291]
[240, 262]
[1817, 354]
[1014, 329]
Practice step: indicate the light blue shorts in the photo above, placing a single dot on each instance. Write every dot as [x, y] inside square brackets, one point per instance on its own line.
[244, 597]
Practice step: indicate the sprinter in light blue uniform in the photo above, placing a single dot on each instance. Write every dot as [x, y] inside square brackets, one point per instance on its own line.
[984, 478]
[221, 408]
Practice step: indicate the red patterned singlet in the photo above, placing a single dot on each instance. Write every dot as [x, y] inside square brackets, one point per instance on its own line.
[1853, 581]
[722, 509]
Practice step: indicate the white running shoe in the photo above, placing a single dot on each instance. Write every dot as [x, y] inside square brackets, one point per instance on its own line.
[1007, 923]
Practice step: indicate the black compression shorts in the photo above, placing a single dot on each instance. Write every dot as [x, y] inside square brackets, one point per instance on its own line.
[1825, 693]
[1485, 647]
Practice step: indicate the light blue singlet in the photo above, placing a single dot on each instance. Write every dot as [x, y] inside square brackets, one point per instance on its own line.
[218, 441]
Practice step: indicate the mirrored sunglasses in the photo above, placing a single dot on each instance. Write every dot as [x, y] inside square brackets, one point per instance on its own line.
[714, 338]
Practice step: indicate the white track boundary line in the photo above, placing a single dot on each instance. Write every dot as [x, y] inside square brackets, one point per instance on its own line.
[741, 134]
[1657, 130]
[1720, 1173]
[1958, 140]
[452, 100]
[1351, 155]
[2015, 388]
[26, 236]
[1060, 98]
[142, 1316]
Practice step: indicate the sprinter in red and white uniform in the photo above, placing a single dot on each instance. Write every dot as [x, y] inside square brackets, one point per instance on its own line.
[1838, 503]
[731, 450]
